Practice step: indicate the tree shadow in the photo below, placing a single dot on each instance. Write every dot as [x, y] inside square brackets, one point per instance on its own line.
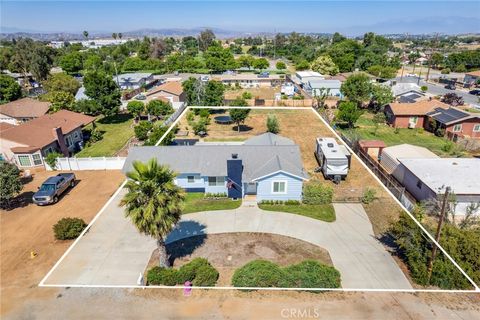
[243, 128]
[20, 201]
[184, 239]
[115, 119]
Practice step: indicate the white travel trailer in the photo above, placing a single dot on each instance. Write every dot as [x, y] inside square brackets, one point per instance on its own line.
[334, 160]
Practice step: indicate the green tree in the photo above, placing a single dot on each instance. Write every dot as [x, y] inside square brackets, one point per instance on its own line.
[159, 108]
[30, 56]
[272, 124]
[9, 89]
[357, 88]
[153, 202]
[72, 62]
[93, 63]
[10, 183]
[206, 39]
[87, 106]
[136, 108]
[245, 60]
[52, 158]
[61, 82]
[383, 72]
[380, 97]
[60, 100]
[239, 101]
[219, 59]
[325, 65]
[239, 115]
[214, 91]
[280, 65]
[101, 87]
[142, 130]
[348, 112]
[302, 65]
[260, 63]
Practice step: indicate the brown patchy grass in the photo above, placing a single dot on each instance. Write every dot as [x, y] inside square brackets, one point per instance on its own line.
[261, 93]
[303, 127]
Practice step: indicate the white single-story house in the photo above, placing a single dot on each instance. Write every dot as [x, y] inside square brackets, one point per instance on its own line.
[407, 92]
[390, 155]
[133, 80]
[267, 166]
[249, 80]
[306, 76]
[428, 178]
[314, 87]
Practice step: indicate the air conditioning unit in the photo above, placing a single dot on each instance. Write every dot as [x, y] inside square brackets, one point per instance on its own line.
[411, 125]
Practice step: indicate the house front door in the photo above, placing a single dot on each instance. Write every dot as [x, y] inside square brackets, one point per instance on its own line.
[251, 188]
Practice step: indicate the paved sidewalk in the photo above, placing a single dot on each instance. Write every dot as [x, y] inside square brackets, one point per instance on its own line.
[114, 253]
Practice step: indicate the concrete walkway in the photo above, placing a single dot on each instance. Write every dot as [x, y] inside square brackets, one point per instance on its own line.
[114, 253]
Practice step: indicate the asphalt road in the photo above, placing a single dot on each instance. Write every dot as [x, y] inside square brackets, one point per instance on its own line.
[436, 89]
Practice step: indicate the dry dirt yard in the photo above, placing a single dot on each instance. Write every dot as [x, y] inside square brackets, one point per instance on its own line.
[29, 228]
[303, 127]
[229, 251]
[261, 93]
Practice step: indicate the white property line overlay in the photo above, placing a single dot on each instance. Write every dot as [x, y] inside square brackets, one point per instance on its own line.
[477, 289]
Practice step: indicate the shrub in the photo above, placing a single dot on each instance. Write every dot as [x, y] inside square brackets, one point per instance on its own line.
[162, 276]
[445, 71]
[204, 113]
[142, 130]
[369, 195]
[190, 116]
[187, 272]
[311, 274]
[246, 95]
[258, 273]
[448, 146]
[51, 159]
[200, 126]
[68, 228]
[424, 88]
[272, 124]
[317, 193]
[292, 202]
[205, 276]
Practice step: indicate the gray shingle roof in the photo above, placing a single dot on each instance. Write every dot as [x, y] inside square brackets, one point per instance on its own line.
[269, 139]
[447, 116]
[211, 160]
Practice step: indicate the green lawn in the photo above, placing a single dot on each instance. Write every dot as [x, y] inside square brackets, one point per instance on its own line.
[324, 212]
[195, 202]
[117, 130]
[365, 129]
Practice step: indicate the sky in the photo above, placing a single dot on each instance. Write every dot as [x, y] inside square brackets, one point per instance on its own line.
[349, 17]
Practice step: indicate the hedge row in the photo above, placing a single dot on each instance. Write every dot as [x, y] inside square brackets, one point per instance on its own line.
[286, 202]
[198, 271]
[306, 274]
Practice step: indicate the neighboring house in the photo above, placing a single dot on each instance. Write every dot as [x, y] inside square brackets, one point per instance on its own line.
[27, 143]
[24, 80]
[427, 178]
[407, 92]
[128, 81]
[266, 166]
[471, 78]
[305, 76]
[249, 80]
[410, 115]
[390, 156]
[171, 90]
[455, 123]
[22, 110]
[314, 87]
[80, 95]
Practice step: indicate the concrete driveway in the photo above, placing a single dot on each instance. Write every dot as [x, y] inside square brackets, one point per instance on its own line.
[114, 253]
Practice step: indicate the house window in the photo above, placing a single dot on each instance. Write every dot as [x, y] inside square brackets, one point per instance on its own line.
[37, 160]
[279, 187]
[413, 120]
[24, 160]
[419, 184]
[476, 128]
[190, 179]
[216, 181]
[457, 127]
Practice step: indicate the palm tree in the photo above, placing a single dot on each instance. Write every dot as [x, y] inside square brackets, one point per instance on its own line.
[85, 34]
[153, 202]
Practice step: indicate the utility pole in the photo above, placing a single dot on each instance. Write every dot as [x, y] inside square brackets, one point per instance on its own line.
[437, 235]
[431, 54]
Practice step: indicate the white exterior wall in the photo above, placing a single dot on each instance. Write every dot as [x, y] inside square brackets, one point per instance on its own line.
[8, 119]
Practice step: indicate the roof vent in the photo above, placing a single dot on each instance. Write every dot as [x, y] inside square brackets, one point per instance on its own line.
[330, 145]
[454, 163]
[234, 155]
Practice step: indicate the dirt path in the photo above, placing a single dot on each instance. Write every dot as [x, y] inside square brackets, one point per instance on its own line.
[29, 228]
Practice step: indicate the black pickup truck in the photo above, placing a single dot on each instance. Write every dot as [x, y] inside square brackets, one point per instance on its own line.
[52, 188]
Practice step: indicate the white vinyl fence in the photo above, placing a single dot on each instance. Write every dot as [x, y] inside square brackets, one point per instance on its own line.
[96, 163]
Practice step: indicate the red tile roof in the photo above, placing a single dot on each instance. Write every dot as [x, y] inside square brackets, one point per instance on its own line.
[419, 108]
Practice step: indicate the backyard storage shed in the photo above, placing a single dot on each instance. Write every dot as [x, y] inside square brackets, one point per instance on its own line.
[390, 155]
[427, 178]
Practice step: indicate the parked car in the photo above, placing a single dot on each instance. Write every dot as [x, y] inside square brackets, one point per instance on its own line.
[52, 188]
[475, 92]
[263, 75]
[450, 86]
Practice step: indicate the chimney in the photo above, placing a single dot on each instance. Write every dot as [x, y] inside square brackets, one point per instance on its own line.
[58, 134]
